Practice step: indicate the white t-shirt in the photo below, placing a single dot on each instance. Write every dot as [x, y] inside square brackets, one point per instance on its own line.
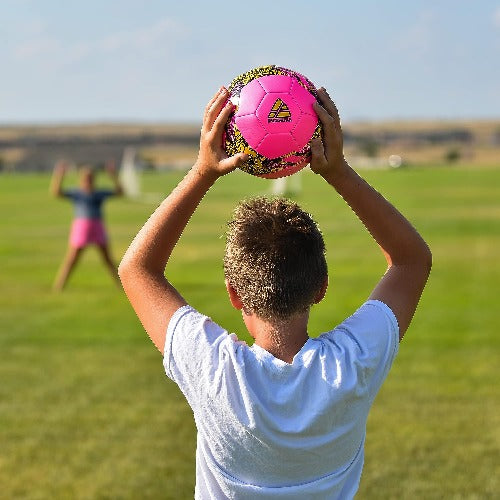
[270, 429]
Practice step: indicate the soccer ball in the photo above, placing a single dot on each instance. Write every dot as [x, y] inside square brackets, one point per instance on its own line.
[273, 121]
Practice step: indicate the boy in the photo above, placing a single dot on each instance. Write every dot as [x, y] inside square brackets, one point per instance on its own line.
[286, 417]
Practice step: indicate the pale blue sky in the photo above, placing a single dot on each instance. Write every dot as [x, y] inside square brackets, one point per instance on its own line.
[152, 60]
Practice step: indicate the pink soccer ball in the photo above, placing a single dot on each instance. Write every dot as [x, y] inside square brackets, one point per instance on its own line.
[273, 121]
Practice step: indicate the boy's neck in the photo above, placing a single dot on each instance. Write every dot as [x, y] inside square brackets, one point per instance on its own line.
[283, 339]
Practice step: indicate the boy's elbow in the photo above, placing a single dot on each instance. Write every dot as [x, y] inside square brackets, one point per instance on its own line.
[125, 272]
[129, 270]
[425, 259]
[123, 269]
[419, 259]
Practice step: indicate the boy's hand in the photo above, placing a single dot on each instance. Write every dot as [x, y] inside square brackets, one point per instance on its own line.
[327, 155]
[212, 159]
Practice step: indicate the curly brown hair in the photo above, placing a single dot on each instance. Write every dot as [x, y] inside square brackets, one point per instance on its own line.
[274, 258]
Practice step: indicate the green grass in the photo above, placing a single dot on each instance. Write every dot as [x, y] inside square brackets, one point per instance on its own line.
[87, 412]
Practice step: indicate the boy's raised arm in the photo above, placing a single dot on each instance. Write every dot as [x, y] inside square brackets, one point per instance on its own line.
[408, 256]
[142, 269]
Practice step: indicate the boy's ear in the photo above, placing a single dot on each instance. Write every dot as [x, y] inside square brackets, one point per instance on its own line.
[233, 296]
[322, 291]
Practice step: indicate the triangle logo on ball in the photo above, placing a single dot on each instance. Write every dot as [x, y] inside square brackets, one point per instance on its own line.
[279, 112]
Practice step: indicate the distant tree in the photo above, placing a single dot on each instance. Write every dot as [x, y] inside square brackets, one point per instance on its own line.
[368, 146]
[452, 155]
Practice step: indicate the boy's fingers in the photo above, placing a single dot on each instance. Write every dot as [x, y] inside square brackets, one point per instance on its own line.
[210, 103]
[318, 158]
[233, 162]
[329, 106]
[317, 149]
[325, 117]
[221, 120]
[214, 108]
[223, 115]
[328, 124]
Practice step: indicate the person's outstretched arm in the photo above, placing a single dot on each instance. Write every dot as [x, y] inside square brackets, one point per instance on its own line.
[111, 169]
[408, 256]
[142, 269]
[57, 178]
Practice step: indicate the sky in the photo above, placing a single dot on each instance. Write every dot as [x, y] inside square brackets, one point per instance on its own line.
[161, 61]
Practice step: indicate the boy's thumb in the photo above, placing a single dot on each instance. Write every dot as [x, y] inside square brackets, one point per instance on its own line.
[234, 161]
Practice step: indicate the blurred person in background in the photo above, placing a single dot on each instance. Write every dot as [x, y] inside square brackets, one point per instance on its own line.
[88, 226]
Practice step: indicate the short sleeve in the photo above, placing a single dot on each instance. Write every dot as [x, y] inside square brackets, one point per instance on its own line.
[369, 341]
[195, 347]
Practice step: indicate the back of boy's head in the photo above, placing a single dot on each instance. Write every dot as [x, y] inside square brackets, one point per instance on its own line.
[274, 258]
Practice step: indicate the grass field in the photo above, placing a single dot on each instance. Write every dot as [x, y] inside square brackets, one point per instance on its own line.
[86, 411]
